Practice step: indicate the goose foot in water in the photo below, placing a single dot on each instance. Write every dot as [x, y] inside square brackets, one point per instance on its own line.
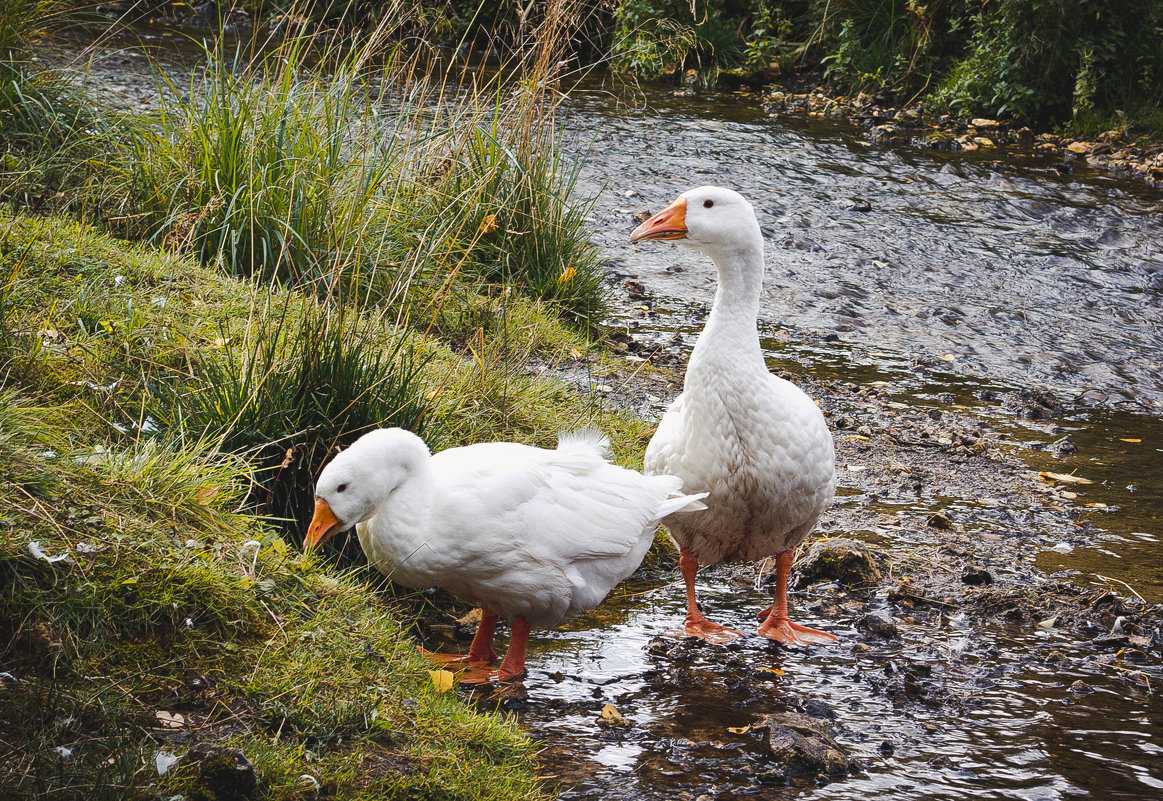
[696, 624]
[699, 626]
[513, 666]
[776, 623]
[783, 630]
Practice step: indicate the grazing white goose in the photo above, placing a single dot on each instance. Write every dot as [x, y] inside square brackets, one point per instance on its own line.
[528, 534]
[756, 443]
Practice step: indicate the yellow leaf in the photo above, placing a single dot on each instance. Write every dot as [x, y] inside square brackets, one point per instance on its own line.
[442, 680]
[1065, 478]
[1096, 505]
[776, 671]
[1129, 439]
[738, 729]
[612, 717]
[566, 276]
[488, 224]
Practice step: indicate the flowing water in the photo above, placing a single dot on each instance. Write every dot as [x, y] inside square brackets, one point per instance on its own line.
[1007, 275]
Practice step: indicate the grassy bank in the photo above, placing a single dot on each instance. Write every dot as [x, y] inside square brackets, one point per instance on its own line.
[197, 306]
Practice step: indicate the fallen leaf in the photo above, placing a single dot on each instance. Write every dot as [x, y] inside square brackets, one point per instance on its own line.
[1096, 505]
[442, 680]
[566, 276]
[488, 224]
[170, 720]
[1129, 439]
[776, 671]
[738, 729]
[1139, 641]
[1065, 478]
[612, 717]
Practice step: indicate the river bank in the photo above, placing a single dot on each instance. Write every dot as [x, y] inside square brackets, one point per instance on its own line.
[962, 653]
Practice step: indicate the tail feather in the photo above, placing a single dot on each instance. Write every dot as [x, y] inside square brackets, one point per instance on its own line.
[587, 439]
[683, 503]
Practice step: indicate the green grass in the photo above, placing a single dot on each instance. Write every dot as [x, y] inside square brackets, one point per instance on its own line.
[305, 670]
[194, 312]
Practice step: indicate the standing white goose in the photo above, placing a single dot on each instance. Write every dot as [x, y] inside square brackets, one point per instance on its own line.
[528, 534]
[755, 443]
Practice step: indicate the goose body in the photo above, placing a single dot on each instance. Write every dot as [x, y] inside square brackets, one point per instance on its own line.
[528, 534]
[755, 443]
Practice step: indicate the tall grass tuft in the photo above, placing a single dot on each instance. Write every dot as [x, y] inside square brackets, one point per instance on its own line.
[352, 171]
[289, 392]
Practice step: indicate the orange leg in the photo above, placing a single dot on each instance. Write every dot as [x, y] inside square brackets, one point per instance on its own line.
[778, 625]
[513, 665]
[481, 649]
[697, 624]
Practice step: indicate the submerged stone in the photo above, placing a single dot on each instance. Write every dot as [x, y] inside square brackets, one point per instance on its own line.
[802, 746]
[847, 562]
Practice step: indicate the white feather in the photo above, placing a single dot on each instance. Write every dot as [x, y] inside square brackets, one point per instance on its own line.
[516, 530]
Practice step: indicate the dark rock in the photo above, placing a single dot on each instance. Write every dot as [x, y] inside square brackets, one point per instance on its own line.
[815, 708]
[847, 562]
[1080, 687]
[977, 577]
[886, 748]
[802, 746]
[220, 774]
[878, 625]
[940, 521]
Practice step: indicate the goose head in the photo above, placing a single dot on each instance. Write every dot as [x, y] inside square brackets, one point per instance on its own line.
[360, 479]
[711, 219]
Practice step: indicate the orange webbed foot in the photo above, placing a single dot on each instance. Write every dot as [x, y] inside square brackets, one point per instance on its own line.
[783, 630]
[453, 660]
[698, 626]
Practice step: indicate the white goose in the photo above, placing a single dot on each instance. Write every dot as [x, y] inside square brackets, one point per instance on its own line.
[755, 443]
[528, 534]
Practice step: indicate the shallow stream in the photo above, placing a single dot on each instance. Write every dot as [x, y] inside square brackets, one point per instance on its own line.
[991, 272]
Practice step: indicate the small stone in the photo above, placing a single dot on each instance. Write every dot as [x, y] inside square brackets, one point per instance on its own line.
[802, 746]
[1081, 148]
[984, 141]
[977, 577]
[939, 521]
[847, 562]
[223, 774]
[886, 748]
[879, 626]
[815, 708]
[1080, 687]
[982, 122]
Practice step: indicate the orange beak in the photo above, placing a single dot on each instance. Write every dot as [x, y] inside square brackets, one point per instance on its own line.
[324, 526]
[670, 223]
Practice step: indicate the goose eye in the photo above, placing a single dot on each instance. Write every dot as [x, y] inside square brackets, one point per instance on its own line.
[708, 203]
[341, 488]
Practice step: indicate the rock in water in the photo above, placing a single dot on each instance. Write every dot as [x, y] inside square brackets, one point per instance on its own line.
[847, 562]
[802, 746]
